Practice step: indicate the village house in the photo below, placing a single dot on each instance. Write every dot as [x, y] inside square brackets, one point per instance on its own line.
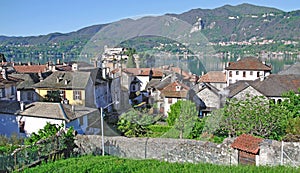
[272, 87]
[8, 86]
[88, 87]
[114, 54]
[172, 93]
[214, 78]
[207, 98]
[25, 91]
[21, 119]
[246, 69]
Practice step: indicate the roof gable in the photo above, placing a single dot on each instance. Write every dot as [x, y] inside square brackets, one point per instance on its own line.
[248, 63]
[213, 77]
[171, 90]
[65, 80]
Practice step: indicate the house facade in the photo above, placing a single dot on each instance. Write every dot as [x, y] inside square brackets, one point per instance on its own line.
[25, 91]
[8, 86]
[172, 93]
[24, 120]
[246, 69]
[209, 98]
[214, 78]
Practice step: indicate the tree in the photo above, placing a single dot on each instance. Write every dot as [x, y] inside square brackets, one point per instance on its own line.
[135, 124]
[182, 116]
[292, 103]
[257, 116]
[52, 96]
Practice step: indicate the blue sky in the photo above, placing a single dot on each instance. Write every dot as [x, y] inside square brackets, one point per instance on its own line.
[38, 17]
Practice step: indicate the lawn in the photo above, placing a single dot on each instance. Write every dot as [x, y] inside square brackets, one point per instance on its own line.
[112, 164]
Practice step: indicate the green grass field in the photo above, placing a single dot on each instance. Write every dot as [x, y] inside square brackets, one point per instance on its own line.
[111, 164]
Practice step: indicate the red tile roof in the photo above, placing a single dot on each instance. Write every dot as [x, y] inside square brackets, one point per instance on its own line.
[247, 143]
[144, 71]
[249, 63]
[213, 77]
[170, 90]
[30, 68]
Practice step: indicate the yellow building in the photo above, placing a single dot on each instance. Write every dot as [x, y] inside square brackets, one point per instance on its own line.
[75, 87]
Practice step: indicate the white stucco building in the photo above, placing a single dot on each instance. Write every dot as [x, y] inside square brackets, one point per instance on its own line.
[246, 69]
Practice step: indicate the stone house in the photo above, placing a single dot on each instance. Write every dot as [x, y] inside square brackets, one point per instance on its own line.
[214, 78]
[209, 97]
[272, 87]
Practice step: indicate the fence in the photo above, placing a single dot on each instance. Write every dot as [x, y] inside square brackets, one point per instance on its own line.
[49, 149]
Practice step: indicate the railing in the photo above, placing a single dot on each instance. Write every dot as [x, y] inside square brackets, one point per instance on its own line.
[48, 149]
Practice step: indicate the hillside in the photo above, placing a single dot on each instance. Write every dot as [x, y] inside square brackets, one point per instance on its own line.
[227, 23]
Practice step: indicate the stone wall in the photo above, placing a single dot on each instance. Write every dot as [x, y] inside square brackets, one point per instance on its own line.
[270, 153]
[172, 150]
[184, 150]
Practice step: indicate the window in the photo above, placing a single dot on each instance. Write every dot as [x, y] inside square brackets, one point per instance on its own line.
[22, 126]
[230, 73]
[76, 95]
[30, 96]
[244, 74]
[133, 87]
[170, 100]
[237, 72]
[251, 73]
[2, 92]
[257, 74]
[12, 90]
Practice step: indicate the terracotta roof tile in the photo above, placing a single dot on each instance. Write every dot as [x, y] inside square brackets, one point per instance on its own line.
[30, 68]
[213, 77]
[170, 90]
[247, 143]
[144, 71]
[249, 63]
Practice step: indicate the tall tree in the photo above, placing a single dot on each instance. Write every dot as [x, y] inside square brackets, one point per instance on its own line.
[182, 116]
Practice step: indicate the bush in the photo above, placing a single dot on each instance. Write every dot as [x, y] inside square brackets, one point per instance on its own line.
[158, 130]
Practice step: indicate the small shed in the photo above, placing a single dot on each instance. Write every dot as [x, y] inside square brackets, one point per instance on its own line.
[248, 147]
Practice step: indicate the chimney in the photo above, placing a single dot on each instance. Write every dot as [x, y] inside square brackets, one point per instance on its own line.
[66, 81]
[40, 76]
[74, 67]
[22, 106]
[4, 74]
[73, 108]
[262, 78]
[29, 63]
[58, 61]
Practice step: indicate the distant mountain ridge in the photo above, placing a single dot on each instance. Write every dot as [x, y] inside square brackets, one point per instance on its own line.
[226, 23]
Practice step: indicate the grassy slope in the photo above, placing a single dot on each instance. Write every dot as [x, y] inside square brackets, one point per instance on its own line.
[114, 164]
